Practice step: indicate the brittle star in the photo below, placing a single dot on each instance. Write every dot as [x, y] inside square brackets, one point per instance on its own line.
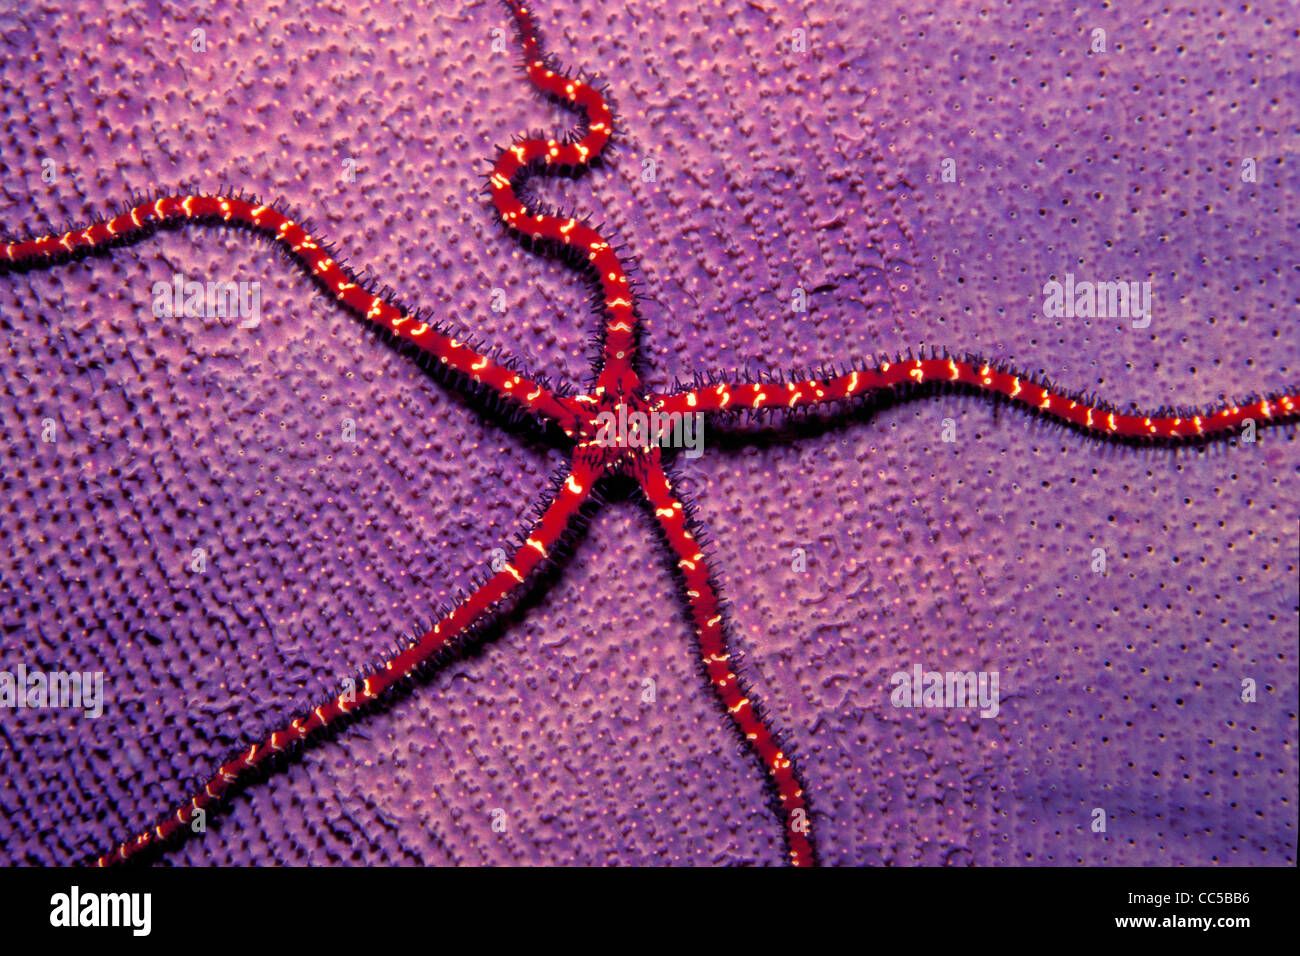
[615, 388]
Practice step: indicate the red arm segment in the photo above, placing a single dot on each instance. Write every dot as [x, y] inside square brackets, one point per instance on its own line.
[620, 320]
[542, 538]
[1023, 389]
[707, 614]
[335, 278]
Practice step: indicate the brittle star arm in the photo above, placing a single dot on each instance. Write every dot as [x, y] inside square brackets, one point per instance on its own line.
[1096, 418]
[336, 279]
[571, 238]
[709, 620]
[555, 518]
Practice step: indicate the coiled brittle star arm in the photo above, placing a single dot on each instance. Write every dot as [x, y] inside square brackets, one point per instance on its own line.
[332, 276]
[567, 235]
[709, 620]
[556, 517]
[1098, 419]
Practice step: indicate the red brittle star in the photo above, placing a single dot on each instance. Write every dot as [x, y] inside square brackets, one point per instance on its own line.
[616, 387]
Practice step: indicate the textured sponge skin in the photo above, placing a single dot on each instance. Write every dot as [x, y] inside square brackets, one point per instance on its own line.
[745, 169]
